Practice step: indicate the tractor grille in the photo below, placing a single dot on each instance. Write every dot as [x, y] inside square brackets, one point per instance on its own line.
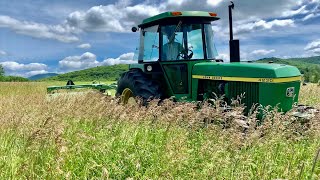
[250, 91]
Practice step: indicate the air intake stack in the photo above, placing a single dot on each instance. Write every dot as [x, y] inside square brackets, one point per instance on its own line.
[234, 45]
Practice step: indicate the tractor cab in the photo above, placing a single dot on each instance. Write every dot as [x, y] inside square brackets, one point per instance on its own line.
[177, 36]
[171, 43]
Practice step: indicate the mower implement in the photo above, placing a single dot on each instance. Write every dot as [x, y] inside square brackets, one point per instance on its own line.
[71, 86]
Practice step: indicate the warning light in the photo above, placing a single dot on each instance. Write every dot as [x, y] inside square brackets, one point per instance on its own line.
[176, 13]
[212, 14]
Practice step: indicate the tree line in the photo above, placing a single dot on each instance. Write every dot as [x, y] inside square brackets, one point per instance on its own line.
[309, 67]
[311, 74]
[4, 78]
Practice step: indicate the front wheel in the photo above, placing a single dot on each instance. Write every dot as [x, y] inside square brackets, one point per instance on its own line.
[134, 83]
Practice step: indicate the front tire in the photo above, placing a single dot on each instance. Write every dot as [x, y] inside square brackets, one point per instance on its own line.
[135, 83]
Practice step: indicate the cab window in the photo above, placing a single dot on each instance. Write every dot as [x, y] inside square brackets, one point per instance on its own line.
[210, 47]
[182, 42]
[195, 42]
[149, 44]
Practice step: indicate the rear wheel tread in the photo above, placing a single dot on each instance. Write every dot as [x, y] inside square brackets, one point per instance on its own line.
[140, 84]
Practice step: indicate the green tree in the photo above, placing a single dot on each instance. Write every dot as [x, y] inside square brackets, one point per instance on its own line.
[306, 75]
[316, 74]
[1, 70]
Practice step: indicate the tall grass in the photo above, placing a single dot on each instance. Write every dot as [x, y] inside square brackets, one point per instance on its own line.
[92, 136]
[310, 95]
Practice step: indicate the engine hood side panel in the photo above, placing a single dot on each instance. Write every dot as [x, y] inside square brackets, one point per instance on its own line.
[247, 70]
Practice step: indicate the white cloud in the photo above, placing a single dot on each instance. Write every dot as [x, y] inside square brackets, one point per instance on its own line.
[127, 56]
[214, 3]
[19, 69]
[253, 9]
[310, 16]
[314, 12]
[316, 51]
[176, 2]
[262, 25]
[3, 53]
[301, 10]
[14, 66]
[123, 59]
[60, 33]
[88, 60]
[84, 46]
[111, 18]
[121, 16]
[224, 57]
[262, 52]
[244, 10]
[313, 47]
[32, 73]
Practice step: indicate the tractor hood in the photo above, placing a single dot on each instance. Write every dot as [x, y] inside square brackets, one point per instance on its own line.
[245, 69]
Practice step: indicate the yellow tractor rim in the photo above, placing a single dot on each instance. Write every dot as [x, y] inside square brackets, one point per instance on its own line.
[127, 97]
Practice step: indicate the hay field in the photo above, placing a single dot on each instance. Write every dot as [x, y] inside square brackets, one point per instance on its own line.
[91, 136]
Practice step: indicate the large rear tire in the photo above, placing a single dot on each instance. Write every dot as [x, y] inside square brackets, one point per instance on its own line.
[134, 83]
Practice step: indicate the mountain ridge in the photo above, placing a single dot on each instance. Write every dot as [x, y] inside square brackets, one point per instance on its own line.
[42, 76]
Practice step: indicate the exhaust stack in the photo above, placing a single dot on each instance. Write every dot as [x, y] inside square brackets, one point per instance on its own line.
[234, 45]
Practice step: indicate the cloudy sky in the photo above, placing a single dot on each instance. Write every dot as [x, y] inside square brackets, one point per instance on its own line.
[40, 36]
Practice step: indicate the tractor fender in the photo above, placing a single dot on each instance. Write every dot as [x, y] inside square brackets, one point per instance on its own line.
[137, 66]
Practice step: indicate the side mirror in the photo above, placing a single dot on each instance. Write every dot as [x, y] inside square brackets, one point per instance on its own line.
[134, 29]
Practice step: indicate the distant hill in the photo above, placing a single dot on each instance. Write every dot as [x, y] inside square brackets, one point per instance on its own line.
[294, 61]
[42, 76]
[103, 73]
[309, 66]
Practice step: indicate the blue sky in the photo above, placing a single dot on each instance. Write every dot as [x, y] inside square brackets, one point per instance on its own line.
[40, 36]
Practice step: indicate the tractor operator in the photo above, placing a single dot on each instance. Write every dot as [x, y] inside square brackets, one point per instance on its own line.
[171, 49]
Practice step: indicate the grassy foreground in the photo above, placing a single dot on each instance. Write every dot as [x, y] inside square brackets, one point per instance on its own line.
[91, 136]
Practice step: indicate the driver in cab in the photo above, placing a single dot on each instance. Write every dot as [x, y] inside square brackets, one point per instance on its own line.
[172, 49]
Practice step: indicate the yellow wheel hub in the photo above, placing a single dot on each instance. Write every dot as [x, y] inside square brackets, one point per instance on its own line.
[127, 97]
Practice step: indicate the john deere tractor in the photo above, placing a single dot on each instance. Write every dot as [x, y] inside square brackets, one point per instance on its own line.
[177, 57]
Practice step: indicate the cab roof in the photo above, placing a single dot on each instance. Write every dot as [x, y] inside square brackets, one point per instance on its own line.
[206, 16]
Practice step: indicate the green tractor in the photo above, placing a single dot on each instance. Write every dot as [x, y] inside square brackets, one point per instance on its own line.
[177, 58]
